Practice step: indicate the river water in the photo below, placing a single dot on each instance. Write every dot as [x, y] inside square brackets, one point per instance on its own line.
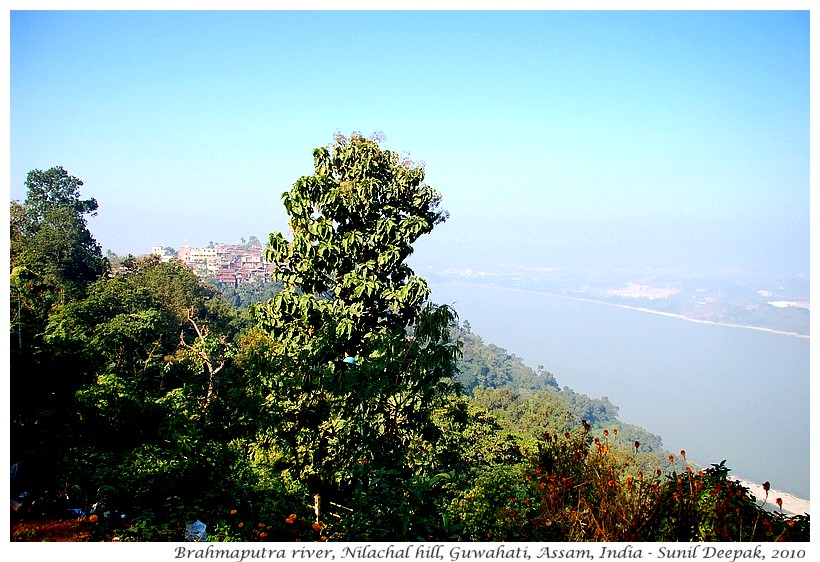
[718, 392]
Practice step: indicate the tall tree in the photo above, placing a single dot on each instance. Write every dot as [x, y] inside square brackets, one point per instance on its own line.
[50, 234]
[356, 354]
[53, 259]
[55, 188]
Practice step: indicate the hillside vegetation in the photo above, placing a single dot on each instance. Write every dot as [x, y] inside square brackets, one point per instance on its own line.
[340, 404]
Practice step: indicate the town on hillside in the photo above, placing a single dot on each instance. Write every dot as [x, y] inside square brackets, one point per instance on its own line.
[229, 264]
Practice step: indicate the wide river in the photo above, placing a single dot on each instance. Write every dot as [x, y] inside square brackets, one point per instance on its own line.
[718, 392]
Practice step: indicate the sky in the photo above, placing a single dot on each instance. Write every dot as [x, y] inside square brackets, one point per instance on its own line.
[557, 138]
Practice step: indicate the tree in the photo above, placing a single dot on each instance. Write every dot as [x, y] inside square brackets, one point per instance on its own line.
[50, 236]
[53, 259]
[142, 378]
[55, 188]
[357, 356]
[488, 366]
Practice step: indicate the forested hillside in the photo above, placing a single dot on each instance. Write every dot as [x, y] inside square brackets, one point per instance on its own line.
[339, 403]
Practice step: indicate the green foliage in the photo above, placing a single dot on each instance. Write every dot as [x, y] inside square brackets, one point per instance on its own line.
[499, 505]
[247, 294]
[530, 416]
[489, 366]
[471, 437]
[139, 395]
[53, 258]
[49, 233]
[171, 283]
[348, 294]
[55, 188]
[397, 508]
[597, 411]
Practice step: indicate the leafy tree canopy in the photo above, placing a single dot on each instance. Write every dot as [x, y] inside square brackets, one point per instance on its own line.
[55, 188]
[359, 353]
[49, 233]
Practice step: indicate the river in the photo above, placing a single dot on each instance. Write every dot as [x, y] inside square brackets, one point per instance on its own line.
[719, 392]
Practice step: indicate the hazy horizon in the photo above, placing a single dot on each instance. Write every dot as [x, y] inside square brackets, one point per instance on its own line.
[558, 139]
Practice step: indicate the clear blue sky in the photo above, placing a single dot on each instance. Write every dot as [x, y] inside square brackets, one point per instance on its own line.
[556, 138]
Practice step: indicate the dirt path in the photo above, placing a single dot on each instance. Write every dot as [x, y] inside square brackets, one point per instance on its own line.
[50, 530]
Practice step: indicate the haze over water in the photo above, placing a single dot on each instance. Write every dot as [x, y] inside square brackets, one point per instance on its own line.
[716, 391]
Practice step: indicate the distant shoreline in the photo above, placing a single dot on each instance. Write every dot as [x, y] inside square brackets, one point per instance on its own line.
[639, 309]
[792, 504]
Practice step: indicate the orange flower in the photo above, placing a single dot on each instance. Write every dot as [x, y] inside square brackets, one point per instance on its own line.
[262, 535]
[671, 458]
[241, 525]
[637, 445]
[606, 433]
[317, 527]
[93, 518]
[779, 502]
[233, 512]
[683, 453]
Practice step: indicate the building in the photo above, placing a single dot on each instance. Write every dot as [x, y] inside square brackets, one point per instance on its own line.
[229, 264]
